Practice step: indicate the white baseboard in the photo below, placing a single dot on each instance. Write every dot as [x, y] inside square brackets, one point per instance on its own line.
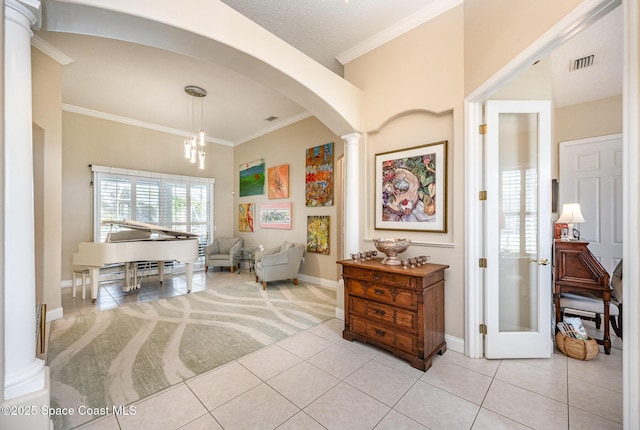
[454, 343]
[54, 314]
[328, 283]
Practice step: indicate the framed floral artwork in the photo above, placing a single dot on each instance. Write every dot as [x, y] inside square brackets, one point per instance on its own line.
[411, 189]
[318, 234]
[278, 182]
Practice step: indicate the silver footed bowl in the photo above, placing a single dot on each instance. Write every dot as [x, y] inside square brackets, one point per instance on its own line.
[391, 248]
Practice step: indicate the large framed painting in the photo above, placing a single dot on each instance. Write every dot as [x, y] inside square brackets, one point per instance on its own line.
[319, 175]
[278, 182]
[252, 178]
[275, 215]
[318, 234]
[411, 189]
[245, 217]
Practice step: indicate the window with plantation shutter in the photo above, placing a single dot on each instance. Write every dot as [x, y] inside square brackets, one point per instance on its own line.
[179, 202]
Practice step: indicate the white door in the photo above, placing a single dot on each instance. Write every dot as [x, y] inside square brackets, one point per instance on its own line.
[518, 229]
[591, 174]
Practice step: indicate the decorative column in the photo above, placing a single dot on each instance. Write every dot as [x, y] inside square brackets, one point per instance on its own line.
[24, 373]
[352, 194]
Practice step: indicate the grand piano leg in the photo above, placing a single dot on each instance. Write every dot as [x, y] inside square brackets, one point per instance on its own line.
[95, 279]
[161, 271]
[189, 276]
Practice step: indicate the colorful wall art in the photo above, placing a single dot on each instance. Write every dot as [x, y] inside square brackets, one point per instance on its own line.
[318, 234]
[411, 189]
[275, 215]
[278, 182]
[245, 217]
[319, 175]
[252, 178]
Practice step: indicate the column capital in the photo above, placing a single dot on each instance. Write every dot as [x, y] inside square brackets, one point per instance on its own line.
[27, 13]
[351, 138]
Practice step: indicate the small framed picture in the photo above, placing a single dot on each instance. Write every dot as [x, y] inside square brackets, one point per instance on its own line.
[559, 229]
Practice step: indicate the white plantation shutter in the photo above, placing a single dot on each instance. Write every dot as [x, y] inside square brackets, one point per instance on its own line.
[179, 202]
[147, 198]
[517, 190]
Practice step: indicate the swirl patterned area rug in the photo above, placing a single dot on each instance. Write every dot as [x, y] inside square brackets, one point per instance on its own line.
[113, 358]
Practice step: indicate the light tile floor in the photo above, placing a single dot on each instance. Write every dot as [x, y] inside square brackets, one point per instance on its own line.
[317, 380]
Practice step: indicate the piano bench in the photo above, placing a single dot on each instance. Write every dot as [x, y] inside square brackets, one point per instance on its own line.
[77, 273]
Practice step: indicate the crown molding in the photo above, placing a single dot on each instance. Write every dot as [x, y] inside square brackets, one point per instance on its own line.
[50, 50]
[136, 123]
[409, 23]
[281, 124]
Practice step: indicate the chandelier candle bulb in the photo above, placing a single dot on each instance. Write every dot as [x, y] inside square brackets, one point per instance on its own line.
[187, 149]
[201, 157]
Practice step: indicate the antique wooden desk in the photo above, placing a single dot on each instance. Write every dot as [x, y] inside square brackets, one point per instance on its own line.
[399, 310]
[576, 270]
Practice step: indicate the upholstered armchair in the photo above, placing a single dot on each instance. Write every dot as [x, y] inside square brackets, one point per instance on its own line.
[222, 252]
[281, 262]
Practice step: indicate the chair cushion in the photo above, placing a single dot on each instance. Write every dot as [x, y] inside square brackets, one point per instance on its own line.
[226, 243]
[581, 303]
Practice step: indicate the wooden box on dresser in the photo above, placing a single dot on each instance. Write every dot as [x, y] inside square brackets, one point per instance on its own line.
[396, 309]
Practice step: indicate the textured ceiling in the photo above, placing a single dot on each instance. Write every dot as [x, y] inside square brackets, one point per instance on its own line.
[603, 39]
[323, 29]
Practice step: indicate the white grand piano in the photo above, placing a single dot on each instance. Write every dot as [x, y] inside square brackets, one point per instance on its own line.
[137, 242]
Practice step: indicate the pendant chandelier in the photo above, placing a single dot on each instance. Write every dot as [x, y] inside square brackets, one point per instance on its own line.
[194, 145]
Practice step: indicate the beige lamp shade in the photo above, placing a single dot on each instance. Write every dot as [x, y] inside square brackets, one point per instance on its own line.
[571, 214]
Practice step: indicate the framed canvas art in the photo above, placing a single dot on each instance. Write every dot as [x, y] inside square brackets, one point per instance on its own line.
[319, 175]
[318, 234]
[278, 182]
[245, 217]
[275, 215]
[411, 189]
[252, 178]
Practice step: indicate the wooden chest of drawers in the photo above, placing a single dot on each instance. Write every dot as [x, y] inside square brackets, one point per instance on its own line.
[399, 310]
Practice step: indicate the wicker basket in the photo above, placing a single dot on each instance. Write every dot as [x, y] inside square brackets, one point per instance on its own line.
[577, 348]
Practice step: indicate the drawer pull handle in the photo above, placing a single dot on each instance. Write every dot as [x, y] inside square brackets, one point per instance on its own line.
[377, 276]
[378, 291]
[379, 311]
[380, 332]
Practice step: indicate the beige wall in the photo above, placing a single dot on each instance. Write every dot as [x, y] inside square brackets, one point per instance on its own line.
[47, 119]
[496, 31]
[88, 140]
[413, 91]
[288, 146]
[596, 118]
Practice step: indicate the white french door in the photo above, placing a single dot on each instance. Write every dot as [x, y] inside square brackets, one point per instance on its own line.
[518, 229]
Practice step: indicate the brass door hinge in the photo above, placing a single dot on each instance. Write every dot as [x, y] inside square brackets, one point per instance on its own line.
[482, 195]
[483, 329]
[482, 263]
[483, 129]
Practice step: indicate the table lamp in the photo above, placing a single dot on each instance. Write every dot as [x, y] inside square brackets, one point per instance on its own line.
[571, 214]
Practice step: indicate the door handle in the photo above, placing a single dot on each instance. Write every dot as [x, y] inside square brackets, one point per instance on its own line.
[543, 262]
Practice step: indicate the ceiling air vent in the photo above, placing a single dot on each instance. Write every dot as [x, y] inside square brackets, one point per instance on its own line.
[582, 63]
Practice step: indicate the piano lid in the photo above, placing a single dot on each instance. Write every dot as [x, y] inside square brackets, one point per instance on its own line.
[151, 228]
